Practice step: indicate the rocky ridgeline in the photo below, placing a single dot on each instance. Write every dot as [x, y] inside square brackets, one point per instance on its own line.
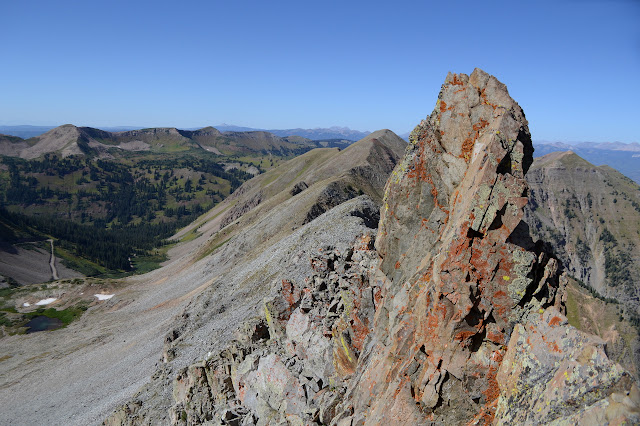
[291, 365]
[456, 316]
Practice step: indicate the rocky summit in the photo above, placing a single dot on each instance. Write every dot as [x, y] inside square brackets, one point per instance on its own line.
[450, 314]
[471, 328]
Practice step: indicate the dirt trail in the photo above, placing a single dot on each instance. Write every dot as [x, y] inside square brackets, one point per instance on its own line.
[52, 263]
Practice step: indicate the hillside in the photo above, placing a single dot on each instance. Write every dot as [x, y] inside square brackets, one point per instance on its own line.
[623, 157]
[126, 190]
[413, 332]
[71, 140]
[109, 211]
[12, 145]
[231, 257]
[591, 216]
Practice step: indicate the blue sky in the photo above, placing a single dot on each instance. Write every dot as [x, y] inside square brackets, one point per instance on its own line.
[573, 66]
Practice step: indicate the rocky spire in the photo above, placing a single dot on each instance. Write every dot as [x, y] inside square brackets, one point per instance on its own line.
[460, 272]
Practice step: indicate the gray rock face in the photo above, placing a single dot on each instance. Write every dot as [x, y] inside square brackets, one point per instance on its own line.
[289, 364]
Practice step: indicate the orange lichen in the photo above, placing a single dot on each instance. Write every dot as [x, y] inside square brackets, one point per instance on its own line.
[496, 337]
[469, 142]
[377, 296]
[457, 81]
[290, 295]
[464, 335]
[467, 147]
[554, 321]
[360, 332]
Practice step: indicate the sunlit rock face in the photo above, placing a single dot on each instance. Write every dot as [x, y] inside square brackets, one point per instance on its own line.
[461, 270]
[453, 316]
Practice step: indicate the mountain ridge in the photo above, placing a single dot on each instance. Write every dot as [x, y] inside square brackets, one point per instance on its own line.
[428, 328]
[273, 235]
[72, 140]
[623, 157]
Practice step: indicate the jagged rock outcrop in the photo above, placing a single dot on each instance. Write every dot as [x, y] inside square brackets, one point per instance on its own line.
[279, 369]
[461, 270]
[239, 209]
[275, 361]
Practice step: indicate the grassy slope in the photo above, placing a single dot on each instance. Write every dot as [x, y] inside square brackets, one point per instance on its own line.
[604, 319]
[318, 168]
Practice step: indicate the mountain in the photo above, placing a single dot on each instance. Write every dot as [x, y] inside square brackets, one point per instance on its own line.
[232, 139]
[235, 254]
[109, 199]
[334, 132]
[621, 156]
[428, 325]
[69, 140]
[379, 284]
[591, 217]
[12, 145]
[323, 133]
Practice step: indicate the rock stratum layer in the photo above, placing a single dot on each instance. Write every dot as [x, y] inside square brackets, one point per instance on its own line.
[456, 317]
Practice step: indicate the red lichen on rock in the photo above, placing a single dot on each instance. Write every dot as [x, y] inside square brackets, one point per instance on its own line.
[457, 81]
[291, 295]
[454, 290]
[360, 332]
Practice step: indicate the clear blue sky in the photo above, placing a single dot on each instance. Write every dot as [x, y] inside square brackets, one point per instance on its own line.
[574, 66]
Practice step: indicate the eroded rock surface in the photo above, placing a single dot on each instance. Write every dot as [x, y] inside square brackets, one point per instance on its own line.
[461, 270]
[289, 366]
[456, 316]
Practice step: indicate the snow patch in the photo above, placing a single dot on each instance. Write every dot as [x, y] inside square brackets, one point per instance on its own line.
[26, 304]
[104, 296]
[46, 301]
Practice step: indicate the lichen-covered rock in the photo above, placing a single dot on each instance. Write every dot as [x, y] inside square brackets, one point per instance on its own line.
[461, 273]
[456, 318]
[457, 284]
[292, 365]
[553, 373]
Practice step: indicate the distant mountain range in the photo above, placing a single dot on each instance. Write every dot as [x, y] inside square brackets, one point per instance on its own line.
[27, 131]
[69, 140]
[340, 133]
[334, 132]
[624, 157]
